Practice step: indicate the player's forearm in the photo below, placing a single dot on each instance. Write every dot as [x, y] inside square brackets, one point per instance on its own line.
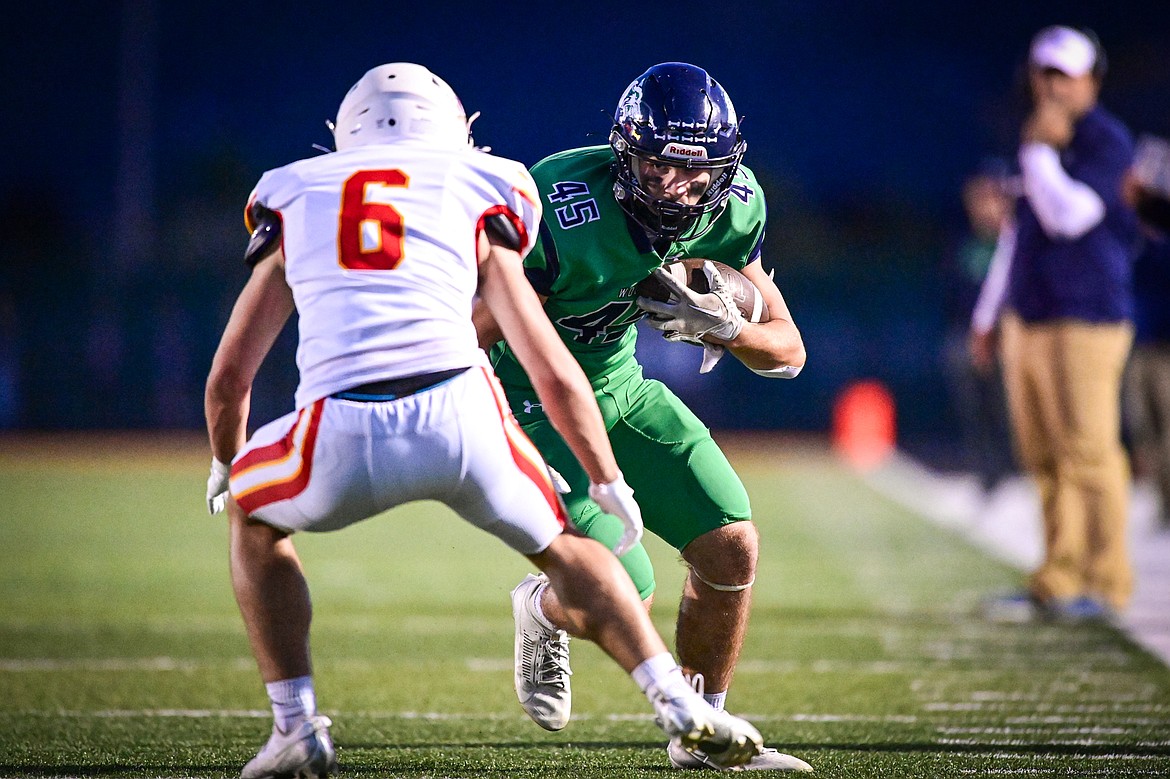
[258, 316]
[769, 346]
[993, 290]
[559, 382]
[487, 331]
[564, 392]
[572, 410]
[225, 407]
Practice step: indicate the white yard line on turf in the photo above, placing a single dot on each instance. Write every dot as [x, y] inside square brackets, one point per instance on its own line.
[134, 664]
[1006, 523]
[438, 716]
[937, 657]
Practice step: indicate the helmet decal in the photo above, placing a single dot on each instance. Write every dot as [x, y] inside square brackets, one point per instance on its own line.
[630, 108]
[684, 151]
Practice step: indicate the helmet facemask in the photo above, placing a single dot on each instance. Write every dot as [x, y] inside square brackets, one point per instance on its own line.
[668, 219]
[675, 114]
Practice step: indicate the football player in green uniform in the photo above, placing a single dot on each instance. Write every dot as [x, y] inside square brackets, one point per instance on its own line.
[668, 186]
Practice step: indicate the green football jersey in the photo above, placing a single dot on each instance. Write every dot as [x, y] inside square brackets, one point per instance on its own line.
[590, 257]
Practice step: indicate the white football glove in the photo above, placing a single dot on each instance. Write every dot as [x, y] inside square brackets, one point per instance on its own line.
[617, 498]
[694, 315]
[712, 353]
[217, 486]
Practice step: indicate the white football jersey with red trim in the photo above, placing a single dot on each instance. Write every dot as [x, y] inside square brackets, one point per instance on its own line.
[380, 250]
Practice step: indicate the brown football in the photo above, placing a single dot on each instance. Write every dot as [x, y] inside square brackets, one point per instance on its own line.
[747, 297]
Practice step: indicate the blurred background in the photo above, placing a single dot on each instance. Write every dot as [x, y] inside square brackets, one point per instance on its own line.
[136, 130]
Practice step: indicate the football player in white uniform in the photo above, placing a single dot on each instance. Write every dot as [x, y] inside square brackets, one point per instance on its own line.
[381, 247]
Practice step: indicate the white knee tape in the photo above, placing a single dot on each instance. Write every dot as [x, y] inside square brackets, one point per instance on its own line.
[722, 587]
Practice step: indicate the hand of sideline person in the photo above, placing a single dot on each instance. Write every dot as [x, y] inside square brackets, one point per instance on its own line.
[1050, 123]
[981, 347]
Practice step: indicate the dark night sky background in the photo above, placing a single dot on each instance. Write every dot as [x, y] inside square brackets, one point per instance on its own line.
[862, 119]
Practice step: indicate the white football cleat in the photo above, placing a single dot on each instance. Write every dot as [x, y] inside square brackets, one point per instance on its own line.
[541, 661]
[725, 741]
[305, 752]
[768, 760]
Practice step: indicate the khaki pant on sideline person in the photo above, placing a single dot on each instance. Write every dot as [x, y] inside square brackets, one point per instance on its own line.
[1063, 382]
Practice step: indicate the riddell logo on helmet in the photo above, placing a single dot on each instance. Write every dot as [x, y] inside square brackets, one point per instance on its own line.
[685, 151]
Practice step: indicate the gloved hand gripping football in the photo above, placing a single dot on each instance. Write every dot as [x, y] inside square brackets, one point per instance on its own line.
[690, 316]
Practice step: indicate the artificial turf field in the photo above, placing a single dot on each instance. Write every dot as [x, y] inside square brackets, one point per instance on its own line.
[122, 653]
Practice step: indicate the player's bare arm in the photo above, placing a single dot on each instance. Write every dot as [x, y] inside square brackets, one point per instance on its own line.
[486, 329]
[516, 313]
[260, 313]
[773, 344]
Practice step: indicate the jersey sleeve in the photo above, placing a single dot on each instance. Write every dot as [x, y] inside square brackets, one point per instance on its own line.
[249, 207]
[527, 206]
[275, 190]
[758, 219]
[262, 223]
[737, 237]
[518, 202]
[541, 267]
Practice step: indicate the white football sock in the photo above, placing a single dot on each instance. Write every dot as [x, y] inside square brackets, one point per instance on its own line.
[293, 701]
[716, 699]
[663, 672]
[538, 610]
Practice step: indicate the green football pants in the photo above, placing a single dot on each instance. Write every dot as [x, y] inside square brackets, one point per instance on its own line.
[681, 479]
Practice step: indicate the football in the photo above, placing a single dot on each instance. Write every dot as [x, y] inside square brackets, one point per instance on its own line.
[747, 297]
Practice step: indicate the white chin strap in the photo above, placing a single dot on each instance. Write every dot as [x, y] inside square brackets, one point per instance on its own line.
[722, 587]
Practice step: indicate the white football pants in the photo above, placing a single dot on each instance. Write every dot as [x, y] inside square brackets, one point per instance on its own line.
[337, 462]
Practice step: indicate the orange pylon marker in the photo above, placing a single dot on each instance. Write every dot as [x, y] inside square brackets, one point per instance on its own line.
[864, 428]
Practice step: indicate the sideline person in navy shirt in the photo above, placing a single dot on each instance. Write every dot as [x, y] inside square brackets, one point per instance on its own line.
[1060, 292]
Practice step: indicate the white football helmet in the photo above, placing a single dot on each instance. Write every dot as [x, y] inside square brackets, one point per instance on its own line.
[397, 101]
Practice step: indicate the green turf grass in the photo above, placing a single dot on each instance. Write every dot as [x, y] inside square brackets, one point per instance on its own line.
[122, 654]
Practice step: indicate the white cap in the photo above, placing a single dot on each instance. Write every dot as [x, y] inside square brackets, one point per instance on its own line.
[1065, 49]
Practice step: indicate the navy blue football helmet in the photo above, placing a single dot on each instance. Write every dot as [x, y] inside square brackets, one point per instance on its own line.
[675, 114]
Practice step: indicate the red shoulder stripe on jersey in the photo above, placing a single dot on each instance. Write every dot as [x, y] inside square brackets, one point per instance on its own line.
[534, 471]
[507, 213]
[248, 223]
[524, 194]
[291, 486]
